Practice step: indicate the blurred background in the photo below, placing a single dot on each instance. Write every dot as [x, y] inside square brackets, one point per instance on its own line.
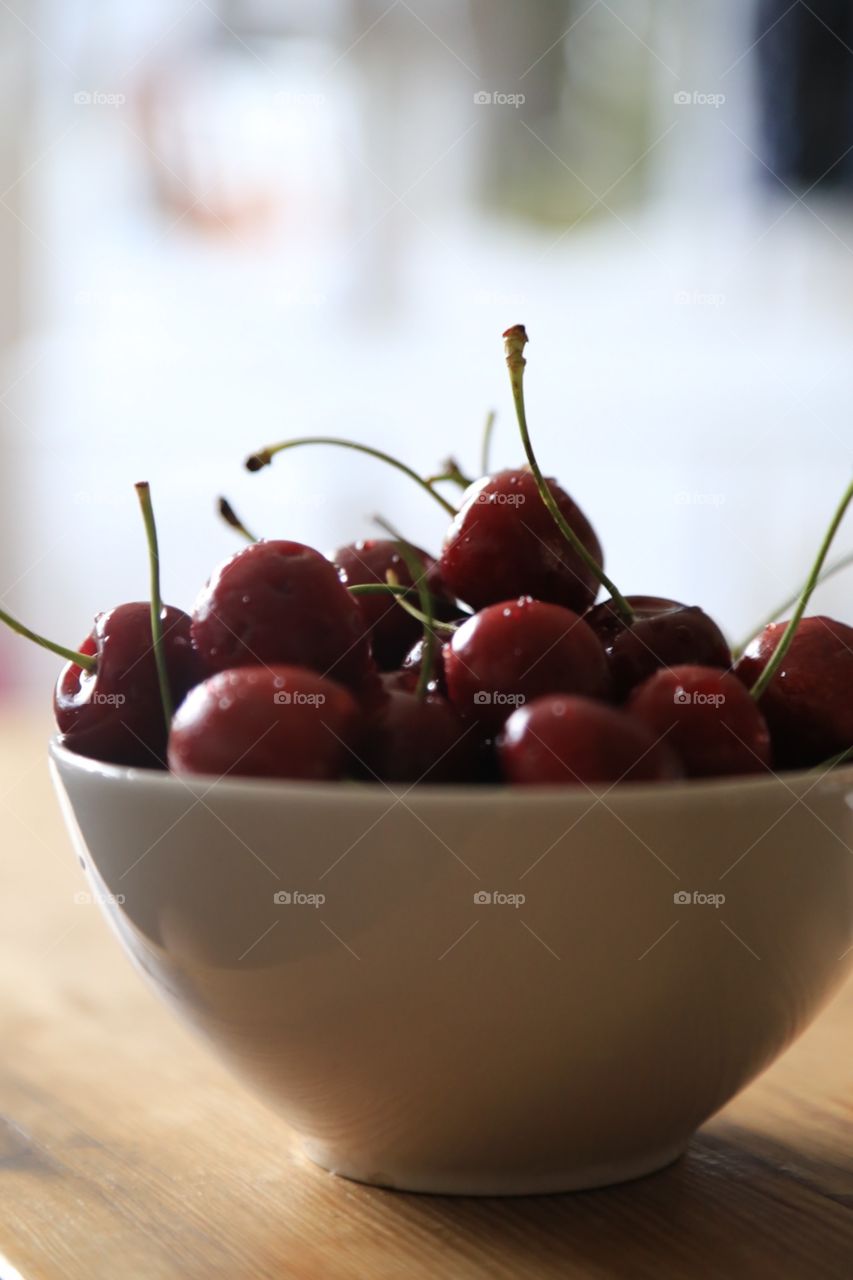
[225, 223]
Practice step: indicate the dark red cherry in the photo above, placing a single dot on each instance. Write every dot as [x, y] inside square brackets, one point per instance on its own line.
[809, 702]
[393, 631]
[511, 653]
[573, 741]
[280, 603]
[664, 633]
[409, 673]
[265, 722]
[115, 713]
[504, 543]
[707, 717]
[412, 739]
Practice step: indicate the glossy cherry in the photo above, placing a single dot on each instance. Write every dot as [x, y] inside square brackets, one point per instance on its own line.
[265, 722]
[409, 673]
[663, 633]
[809, 702]
[504, 543]
[412, 739]
[281, 603]
[393, 631]
[115, 712]
[518, 650]
[572, 741]
[707, 717]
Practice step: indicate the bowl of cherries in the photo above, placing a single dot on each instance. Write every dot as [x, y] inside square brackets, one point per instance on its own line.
[490, 878]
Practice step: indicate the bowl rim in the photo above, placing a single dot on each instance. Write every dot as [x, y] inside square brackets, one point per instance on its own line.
[679, 793]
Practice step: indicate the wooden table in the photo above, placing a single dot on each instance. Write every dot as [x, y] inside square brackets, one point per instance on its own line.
[127, 1153]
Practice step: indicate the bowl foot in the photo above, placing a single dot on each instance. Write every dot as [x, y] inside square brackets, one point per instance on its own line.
[492, 1182]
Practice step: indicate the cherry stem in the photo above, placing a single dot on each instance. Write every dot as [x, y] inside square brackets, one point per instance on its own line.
[264, 457]
[418, 573]
[834, 568]
[143, 492]
[486, 447]
[86, 661]
[515, 340]
[451, 471]
[401, 594]
[229, 515]
[778, 655]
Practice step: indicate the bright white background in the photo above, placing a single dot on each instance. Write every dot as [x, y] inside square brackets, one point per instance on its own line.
[296, 219]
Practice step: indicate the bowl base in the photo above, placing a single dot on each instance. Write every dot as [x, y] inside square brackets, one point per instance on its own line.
[492, 1182]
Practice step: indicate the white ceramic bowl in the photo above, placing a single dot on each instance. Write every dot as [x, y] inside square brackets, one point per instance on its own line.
[419, 1038]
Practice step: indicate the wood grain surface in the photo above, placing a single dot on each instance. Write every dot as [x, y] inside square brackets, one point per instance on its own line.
[127, 1152]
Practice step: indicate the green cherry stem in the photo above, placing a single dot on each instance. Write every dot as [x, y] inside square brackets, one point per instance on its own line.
[263, 458]
[396, 588]
[486, 447]
[86, 661]
[229, 515]
[417, 572]
[790, 631]
[143, 492]
[515, 340]
[836, 567]
[452, 472]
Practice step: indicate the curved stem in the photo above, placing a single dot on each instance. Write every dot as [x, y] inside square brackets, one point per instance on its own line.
[264, 457]
[486, 447]
[417, 572]
[143, 492]
[229, 515]
[778, 655]
[401, 594]
[451, 471]
[86, 661]
[834, 568]
[515, 340]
